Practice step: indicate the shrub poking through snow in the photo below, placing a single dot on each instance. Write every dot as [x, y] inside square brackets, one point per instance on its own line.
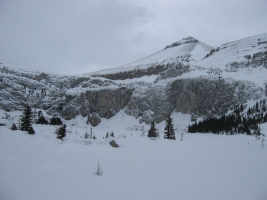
[98, 171]
[86, 135]
[112, 134]
[14, 127]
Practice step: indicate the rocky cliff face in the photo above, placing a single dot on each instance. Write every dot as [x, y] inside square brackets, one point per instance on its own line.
[204, 97]
[187, 76]
[106, 103]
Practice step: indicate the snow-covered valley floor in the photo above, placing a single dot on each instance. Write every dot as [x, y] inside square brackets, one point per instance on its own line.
[202, 167]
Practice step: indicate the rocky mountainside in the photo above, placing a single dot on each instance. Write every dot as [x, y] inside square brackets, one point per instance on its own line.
[187, 76]
[187, 51]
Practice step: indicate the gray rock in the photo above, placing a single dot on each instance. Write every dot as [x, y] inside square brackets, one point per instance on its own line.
[114, 144]
[93, 119]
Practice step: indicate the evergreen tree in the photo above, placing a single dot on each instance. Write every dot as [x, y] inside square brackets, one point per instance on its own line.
[245, 122]
[61, 132]
[152, 133]
[169, 130]
[26, 120]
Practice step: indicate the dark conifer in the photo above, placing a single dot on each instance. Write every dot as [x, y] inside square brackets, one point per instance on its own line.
[26, 120]
[61, 132]
[152, 133]
[169, 130]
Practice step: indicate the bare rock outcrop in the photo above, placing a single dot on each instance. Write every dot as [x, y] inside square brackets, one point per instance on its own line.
[93, 119]
[204, 97]
[106, 103]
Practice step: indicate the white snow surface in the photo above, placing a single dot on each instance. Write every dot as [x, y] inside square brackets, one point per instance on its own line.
[195, 50]
[235, 51]
[202, 166]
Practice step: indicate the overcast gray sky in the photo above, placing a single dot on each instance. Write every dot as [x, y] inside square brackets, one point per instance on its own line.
[81, 36]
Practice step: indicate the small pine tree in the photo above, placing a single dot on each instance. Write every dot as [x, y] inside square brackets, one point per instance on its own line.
[152, 133]
[26, 120]
[107, 135]
[61, 132]
[169, 130]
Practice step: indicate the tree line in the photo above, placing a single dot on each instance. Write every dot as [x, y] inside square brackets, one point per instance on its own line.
[240, 120]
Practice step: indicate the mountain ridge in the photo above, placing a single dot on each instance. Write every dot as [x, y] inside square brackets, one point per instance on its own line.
[180, 51]
[151, 89]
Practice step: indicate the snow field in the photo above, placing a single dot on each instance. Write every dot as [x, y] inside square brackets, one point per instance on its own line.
[203, 166]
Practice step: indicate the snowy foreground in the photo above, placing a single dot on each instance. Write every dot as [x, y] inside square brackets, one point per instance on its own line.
[201, 167]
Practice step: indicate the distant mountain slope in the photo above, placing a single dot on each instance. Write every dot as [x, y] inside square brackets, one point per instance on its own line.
[187, 76]
[251, 51]
[186, 51]
[247, 52]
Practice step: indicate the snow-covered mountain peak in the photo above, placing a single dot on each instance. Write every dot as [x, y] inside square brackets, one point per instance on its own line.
[181, 79]
[185, 40]
[186, 51]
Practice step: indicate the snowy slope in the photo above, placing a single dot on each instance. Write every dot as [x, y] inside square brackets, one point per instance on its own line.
[188, 50]
[235, 51]
[202, 166]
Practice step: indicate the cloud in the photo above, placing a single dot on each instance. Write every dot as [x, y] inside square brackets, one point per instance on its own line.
[74, 37]
[60, 33]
